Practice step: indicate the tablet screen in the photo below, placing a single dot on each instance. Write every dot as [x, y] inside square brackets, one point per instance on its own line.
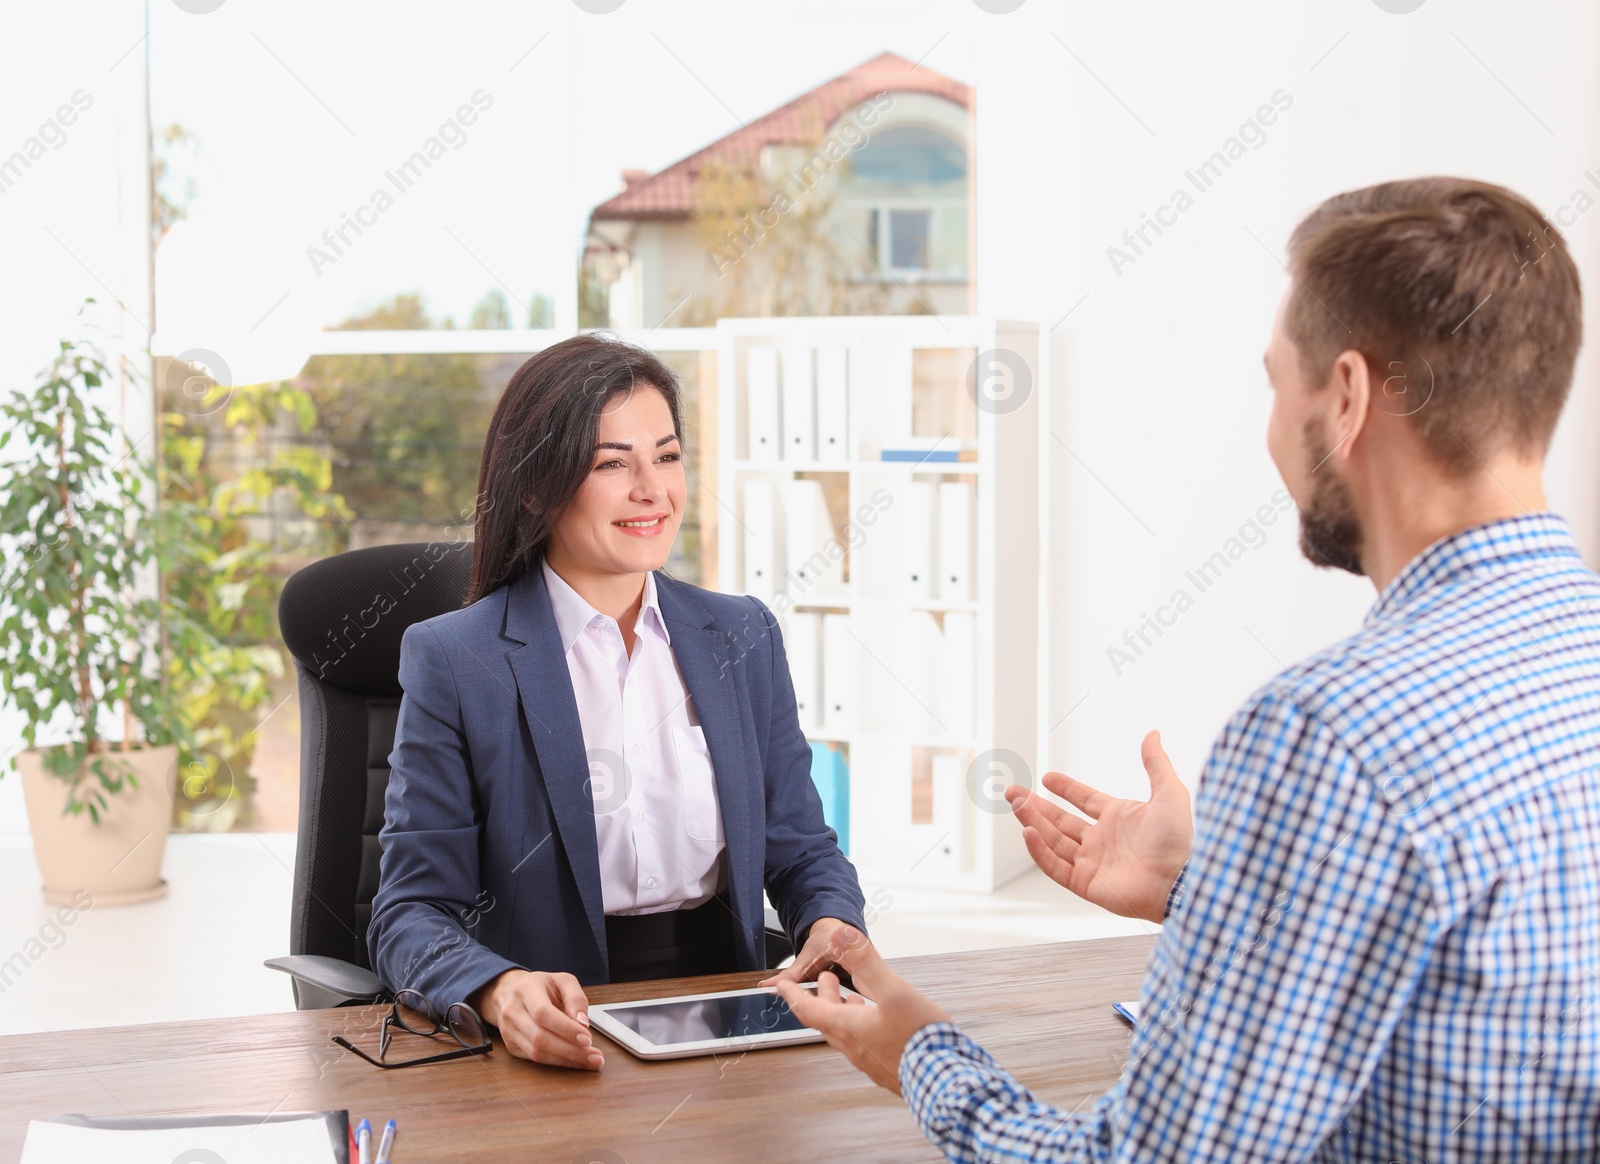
[694, 1020]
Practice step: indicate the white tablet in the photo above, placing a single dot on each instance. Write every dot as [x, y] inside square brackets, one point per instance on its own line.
[731, 1021]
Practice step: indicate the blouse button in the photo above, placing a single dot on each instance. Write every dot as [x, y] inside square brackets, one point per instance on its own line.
[650, 884]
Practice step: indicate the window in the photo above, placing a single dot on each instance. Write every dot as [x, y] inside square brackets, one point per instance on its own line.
[908, 239]
[907, 187]
[911, 155]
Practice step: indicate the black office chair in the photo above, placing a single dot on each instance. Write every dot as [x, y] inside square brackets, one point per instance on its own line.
[342, 619]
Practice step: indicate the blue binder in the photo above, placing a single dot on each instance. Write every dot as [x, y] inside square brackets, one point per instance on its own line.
[831, 775]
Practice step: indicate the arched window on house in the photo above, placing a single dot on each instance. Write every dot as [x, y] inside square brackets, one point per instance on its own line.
[905, 198]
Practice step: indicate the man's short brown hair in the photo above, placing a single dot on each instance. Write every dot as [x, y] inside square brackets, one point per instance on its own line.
[1461, 297]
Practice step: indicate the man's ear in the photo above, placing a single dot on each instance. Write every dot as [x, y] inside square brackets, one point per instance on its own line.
[1351, 381]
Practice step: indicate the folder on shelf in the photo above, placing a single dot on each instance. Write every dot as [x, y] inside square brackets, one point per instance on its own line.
[761, 403]
[831, 775]
[957, 670]
[838, 675]
[913, 502]
[949, 815]
[833, 404]
[917, 668]
[918, 456]
[955, 541]
[803, 644]
[813, 549]
[760, 540]
[799, 406]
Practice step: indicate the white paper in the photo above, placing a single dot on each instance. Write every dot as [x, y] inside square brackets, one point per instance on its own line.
[799, 406]
[832, 405]
[761, 403]
[302, 1141]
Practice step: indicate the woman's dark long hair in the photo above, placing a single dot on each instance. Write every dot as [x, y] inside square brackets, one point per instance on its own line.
[540, 447]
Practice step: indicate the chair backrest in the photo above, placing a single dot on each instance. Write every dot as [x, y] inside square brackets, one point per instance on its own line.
[342, 619]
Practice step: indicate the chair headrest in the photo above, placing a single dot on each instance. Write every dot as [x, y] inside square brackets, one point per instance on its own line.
[342, 618]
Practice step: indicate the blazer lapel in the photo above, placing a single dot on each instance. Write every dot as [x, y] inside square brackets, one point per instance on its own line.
[544, 687]
[705, 658]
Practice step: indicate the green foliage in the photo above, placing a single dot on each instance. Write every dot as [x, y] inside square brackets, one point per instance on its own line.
[593, 307]
[82, 634]
[491, 312]
[542, 310]
[162, 611]
[222, 580]
[404, 431]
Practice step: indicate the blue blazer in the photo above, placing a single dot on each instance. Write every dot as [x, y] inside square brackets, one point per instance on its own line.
[489, 855]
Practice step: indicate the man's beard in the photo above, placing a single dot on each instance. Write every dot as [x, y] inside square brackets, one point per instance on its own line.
[1330, 531]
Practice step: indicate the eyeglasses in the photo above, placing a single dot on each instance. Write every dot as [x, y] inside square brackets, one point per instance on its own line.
[411, 1013]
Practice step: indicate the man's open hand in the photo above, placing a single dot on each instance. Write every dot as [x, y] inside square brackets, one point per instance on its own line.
[1127, 855]
[871, 1037]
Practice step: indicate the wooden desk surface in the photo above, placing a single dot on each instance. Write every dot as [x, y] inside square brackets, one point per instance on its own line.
[1043, 1011]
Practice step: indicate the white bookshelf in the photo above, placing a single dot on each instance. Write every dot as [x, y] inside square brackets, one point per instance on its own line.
[909, 726]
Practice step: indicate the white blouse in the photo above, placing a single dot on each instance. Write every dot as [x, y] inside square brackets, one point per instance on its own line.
[657, 819]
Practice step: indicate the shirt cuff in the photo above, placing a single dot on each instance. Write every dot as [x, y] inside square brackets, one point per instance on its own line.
[1175, 894]
[930, 1056]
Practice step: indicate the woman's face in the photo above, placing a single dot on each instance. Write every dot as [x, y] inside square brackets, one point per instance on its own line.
[628, 509]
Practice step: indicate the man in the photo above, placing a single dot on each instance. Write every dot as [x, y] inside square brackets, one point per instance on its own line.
[1383, 940]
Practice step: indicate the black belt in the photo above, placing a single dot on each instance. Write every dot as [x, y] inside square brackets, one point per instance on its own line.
[676, 943]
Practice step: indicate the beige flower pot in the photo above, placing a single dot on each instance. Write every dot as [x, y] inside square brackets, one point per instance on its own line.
[118, 861]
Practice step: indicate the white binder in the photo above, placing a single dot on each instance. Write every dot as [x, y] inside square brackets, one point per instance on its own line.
[838, 675]
[799, 406]
[916, 665]
[950, 816]
[955, 541]
[760, 540]
[813, 549]
[913, 502]
[802, 641]
[957, 670]
[761, 403]
[833, 404]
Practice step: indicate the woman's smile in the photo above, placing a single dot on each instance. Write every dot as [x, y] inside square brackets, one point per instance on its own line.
[648, 526]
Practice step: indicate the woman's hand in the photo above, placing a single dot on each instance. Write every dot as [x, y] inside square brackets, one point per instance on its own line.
[542, 1017]
[814, 957]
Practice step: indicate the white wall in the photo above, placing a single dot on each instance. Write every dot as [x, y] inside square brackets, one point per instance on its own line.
[1158, 387]
[72, 223]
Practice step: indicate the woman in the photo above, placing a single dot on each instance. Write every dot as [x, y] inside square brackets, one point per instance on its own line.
[597, 769]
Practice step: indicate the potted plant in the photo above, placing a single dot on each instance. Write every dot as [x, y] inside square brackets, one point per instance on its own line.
[87, 654]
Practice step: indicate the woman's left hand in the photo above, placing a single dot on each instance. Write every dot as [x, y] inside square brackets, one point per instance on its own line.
[814, 956]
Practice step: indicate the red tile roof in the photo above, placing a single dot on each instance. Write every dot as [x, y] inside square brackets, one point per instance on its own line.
[670, 193]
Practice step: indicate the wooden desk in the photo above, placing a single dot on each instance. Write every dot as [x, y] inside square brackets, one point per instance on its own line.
[1044, 1011]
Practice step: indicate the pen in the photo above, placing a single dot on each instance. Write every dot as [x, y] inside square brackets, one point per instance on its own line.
[385, 1144]
[364, 1142]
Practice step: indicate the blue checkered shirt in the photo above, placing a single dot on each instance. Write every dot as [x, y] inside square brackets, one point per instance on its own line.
[1386, 943]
